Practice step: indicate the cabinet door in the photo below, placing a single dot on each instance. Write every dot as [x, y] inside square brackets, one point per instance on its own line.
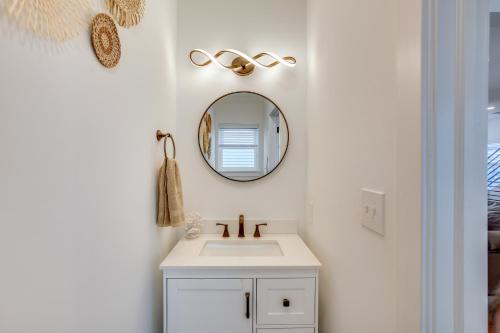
[209, 305]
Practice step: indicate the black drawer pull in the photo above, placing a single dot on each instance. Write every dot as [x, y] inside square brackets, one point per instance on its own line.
[286, 303]
[247, 314]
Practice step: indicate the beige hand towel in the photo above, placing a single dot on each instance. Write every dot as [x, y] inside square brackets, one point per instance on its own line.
[170, 200]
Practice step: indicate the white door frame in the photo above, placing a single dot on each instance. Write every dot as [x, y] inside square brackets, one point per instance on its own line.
[454, 100]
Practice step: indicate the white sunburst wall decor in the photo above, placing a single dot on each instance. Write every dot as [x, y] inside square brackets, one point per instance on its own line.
[56, 20]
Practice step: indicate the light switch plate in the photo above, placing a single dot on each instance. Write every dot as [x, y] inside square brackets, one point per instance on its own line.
[373, 210]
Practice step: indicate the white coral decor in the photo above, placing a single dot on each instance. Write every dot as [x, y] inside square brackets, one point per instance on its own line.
[193, 225]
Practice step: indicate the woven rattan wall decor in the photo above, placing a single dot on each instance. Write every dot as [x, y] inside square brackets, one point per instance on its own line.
[127, 12]
[105, 40]
[57, 20]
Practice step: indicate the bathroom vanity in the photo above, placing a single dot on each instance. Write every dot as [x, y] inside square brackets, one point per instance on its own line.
[241, 285]
[224, 284]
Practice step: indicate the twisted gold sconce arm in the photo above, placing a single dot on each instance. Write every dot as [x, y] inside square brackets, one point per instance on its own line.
[242, 64]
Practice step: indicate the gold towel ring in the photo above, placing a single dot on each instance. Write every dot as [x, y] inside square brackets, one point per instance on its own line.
[160, 135]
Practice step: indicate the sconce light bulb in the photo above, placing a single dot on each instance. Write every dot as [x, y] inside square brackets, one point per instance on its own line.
[291, 63]
[244, 56]
[208, 55]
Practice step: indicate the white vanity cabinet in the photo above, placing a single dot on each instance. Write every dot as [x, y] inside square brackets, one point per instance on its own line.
[240, 294]
[241, 302]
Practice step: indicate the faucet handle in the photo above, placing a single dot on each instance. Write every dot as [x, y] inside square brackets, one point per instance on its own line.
[256, 234]
[226, 231]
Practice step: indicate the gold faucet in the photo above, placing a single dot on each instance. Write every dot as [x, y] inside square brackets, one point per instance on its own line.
[241, 231]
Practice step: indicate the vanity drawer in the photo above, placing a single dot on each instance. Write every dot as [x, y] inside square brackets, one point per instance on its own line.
[286, 330]
[286, 302]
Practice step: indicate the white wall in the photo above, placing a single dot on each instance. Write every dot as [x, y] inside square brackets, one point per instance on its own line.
[78, 243]
[278, 26]
[364, 131]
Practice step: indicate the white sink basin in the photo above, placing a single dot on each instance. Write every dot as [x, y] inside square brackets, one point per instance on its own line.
[242, 248]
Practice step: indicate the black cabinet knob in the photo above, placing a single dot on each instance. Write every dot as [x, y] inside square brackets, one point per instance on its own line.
[286, 303]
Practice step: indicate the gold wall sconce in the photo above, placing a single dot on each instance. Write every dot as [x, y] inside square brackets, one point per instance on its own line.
[242, 64]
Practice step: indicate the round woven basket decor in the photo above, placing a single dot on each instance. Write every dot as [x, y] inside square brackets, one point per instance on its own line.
[127, 12]
[105, 40]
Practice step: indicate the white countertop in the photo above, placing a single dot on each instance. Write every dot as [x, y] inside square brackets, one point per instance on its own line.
[186, 255]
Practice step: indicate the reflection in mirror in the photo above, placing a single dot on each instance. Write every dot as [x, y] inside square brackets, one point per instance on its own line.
[243, 136]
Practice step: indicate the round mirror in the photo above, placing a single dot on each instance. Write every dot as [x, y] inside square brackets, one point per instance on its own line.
[243, 136]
